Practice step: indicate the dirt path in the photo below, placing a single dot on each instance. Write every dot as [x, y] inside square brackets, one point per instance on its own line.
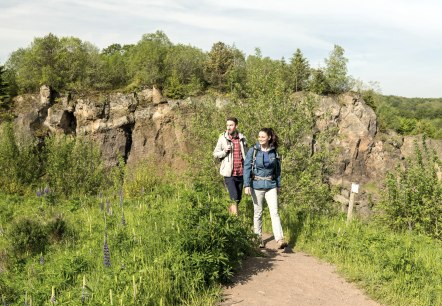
[291, 278]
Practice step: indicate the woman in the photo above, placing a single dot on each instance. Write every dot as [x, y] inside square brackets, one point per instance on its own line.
[262, 177]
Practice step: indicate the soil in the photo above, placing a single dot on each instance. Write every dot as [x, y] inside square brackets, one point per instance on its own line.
[288, 277]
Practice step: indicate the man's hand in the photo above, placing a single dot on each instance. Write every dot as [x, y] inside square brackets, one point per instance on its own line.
[228, 148]
[247, 190]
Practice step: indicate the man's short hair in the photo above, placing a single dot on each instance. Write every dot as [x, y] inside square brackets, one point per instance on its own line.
[232, 119]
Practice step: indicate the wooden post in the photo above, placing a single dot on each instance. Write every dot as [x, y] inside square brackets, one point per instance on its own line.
[354, 190]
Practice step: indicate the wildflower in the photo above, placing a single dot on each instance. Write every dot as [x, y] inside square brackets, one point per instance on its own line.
[101, 205]
[38, 192]
[123, 220]
[83, 292]
[108, 207]
[53, 296]
[46, 190]
[42, 259]
[106, 253]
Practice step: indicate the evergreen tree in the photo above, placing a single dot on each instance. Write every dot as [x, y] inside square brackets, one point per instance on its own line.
[4, 96]
[299, 70]
[318, 82]
[336, 71]
[219, 65]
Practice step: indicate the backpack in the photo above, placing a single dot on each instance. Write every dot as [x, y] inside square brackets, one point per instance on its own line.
[255, 149]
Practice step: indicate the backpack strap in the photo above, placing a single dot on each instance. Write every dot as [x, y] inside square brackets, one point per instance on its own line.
[255, 149]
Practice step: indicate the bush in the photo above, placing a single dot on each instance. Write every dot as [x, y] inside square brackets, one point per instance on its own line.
[74, 166]
[20, 163]
[28, 236]
[411, 200]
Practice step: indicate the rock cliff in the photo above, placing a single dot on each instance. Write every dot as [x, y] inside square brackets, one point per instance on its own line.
[143, 125]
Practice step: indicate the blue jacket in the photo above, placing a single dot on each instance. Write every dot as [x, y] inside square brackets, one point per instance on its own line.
[273, 169]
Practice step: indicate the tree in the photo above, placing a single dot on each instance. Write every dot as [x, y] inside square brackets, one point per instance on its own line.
[183, 67]
[219, 64]
[336, 71]
[146, 60]
[299, 71]
[318, 82]
[64, 64]
[4, 96]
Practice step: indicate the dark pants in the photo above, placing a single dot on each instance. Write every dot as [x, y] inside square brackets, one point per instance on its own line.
[234, 186]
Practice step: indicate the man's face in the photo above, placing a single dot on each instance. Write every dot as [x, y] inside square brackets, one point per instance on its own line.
[231, 127]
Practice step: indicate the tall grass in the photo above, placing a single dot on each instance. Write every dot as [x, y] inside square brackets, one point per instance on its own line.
[176, 246]
[393, 268]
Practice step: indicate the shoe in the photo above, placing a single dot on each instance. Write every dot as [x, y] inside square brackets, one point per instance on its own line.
[261, 244]
[281, 244]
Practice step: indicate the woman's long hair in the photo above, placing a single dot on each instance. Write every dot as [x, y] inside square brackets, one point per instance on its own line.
[274, 140]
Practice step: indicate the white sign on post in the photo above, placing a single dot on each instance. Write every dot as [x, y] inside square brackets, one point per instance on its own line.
[354, 187]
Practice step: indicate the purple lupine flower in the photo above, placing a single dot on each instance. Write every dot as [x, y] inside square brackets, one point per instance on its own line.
[123, 220]
[83, 295]
[101, 205]
[46, 190]
[42, 259]
[106, 253]
[108, 207]
[53, 296]
[38, 192]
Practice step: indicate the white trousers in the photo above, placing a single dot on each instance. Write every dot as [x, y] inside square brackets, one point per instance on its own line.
[271, 197]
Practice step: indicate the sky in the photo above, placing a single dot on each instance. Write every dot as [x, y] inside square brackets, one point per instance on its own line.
[396, 44]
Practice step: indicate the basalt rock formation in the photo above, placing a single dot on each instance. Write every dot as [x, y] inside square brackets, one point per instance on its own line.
[141, 125]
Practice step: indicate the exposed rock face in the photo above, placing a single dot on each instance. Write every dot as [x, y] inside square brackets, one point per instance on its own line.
[134, 126]
[144, 125]
[364, 154]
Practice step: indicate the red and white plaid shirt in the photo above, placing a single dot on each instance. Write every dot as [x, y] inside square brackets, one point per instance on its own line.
[237, 156]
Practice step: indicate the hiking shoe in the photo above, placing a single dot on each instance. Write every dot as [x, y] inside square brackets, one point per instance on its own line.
[281, 244]
[261, 244]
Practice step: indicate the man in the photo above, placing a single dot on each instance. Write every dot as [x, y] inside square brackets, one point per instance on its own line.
[230, 149]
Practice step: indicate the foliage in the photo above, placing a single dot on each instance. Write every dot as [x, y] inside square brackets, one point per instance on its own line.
[318, 82]
[408, 116]
[411, 200]
[28, 236]
[393, 268]
[20, 163]
[176, 246]
[299, 71]
[66, 63]
[336, 71]
[219, 64]
[73, 166]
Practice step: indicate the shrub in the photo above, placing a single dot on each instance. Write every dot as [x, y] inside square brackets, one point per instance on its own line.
[411, 200]
[28, 236]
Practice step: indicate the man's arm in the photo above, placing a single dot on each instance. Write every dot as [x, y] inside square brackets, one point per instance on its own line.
[219, 151]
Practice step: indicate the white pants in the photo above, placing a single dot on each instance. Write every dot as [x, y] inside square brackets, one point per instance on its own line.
[271, 197]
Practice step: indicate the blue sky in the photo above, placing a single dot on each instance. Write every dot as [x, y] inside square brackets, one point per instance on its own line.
[397, 43]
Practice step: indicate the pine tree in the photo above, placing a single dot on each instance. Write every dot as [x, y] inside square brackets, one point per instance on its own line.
[4, 96]
[300, 71]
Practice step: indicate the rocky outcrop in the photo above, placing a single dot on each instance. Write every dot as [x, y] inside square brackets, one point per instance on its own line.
[144, 125]
[133, 126]
[364, 155]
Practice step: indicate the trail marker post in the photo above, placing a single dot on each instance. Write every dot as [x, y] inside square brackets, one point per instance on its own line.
[354, 190]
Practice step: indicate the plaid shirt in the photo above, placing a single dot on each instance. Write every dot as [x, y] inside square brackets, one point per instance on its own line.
[237, 156]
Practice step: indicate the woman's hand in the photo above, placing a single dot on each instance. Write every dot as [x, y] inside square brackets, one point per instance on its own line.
[247, 190]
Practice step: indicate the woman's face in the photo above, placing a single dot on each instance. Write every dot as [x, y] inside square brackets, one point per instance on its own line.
[263, 138]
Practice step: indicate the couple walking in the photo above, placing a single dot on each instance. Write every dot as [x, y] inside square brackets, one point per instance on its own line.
[258, 170]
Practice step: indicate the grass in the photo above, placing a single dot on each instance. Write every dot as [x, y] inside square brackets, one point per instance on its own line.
[393, 268]
[176, 247]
